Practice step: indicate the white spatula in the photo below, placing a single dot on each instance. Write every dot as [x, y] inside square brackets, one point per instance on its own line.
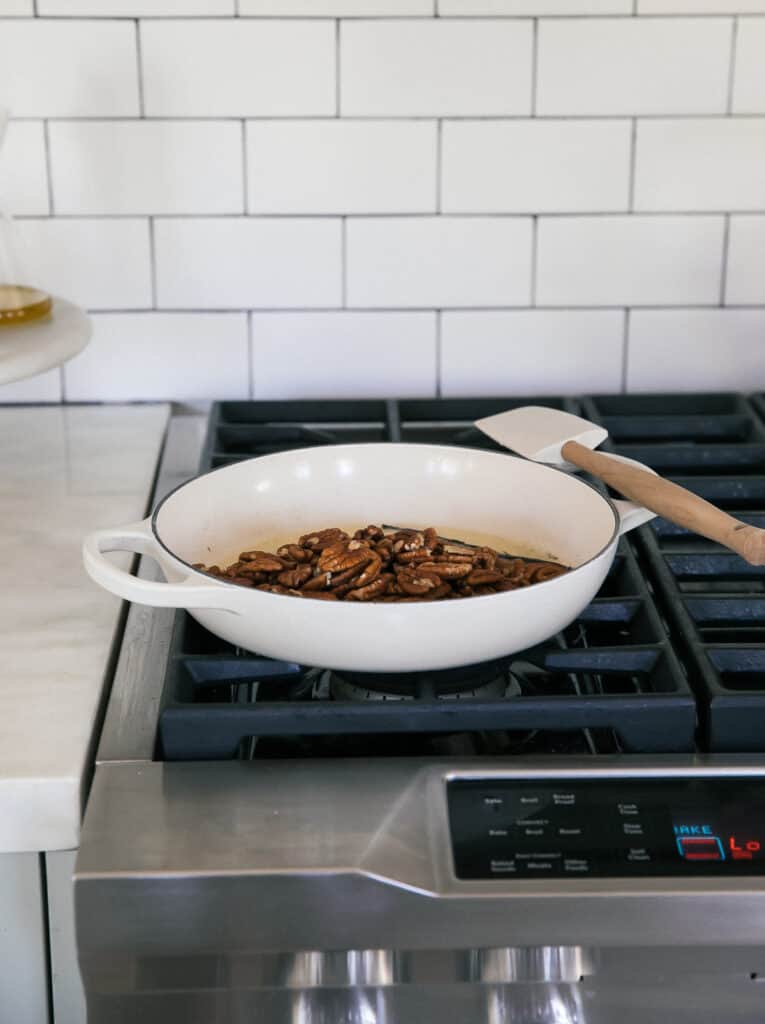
[561, 439]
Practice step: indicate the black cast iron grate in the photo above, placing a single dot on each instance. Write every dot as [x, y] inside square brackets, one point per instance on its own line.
[611, 679]
[714, 601]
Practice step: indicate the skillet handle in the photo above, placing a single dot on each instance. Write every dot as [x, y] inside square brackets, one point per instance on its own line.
[139, 539]
[631, 514]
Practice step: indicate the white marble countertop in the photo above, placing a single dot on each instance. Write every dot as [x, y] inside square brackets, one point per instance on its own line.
[63, 471]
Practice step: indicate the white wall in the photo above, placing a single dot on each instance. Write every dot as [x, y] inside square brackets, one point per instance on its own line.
[320, 197]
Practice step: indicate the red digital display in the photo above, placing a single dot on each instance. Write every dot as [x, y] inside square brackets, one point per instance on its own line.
[701, 848]
[743, 849]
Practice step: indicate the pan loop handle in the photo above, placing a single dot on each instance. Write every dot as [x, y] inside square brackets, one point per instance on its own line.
[138, 538]
[631, 515]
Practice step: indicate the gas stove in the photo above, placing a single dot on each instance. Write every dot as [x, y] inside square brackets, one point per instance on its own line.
[560, 836]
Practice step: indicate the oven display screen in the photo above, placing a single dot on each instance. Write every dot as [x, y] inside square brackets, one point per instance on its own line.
[607, 828]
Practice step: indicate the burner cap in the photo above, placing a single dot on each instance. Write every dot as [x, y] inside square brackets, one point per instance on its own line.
[485, 680]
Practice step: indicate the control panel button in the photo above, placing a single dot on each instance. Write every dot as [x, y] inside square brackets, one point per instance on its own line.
[638, 854]
[576, 865]
[498, 833]
[628, 810]
[632, 828]
[700, 847]
[503, 867]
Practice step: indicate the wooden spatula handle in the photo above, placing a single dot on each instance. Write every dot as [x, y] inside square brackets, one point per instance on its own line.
[671, 501]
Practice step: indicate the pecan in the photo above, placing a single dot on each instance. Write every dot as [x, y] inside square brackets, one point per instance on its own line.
[485, 558]
[544, 571]
[295, 552]
[374, 589]
[272, 588]
[441, 591]
[319, 582]
[430, 537]
[414, 582]
[241, 581]
[447, 570]
[334, 560]
[370, 572]
[358, 543]
[409, 557]
[261, 561]
[339, 579]
[454, 556]
[318, 595]
[295, 578]
[480, 577]
[322, 538]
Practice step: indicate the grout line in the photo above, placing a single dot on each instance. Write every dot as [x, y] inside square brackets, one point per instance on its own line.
[568, 308]
[337, 68]
[439, 314]
[245, 170]
[712, 115]
[452, 215]
[250, 358]
[48, 171]
[625, 350]
[439, 164]
[401, 18]
[139, 66]
[724, 261]
[534, 64]
[153, 263]
[732, 66]
[633, 164]
[533, 282]
[344, 263]
[62, 384]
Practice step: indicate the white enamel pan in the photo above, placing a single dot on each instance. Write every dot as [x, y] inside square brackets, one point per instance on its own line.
[465, 493]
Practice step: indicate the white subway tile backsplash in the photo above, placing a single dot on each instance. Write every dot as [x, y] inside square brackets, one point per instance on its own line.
[238, 68]
[333, 166]
[633, 65]
[161, 356]
[629, 261]
[542, 166]
[700, 164]
[696, 350]
[69, 68]
[337, 8]
[749, 80]
[435, 67]
[130, 167]
[439, 261]
[45, 387]
[239, 262]
[23, 172]
[331, 355]
[136, 8]
[98, 264]
[699, 6]
[533, 8]
[527, 352]
[16, 8]
[745, 279]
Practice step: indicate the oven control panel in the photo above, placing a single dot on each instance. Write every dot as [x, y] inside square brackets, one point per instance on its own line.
[574, 828]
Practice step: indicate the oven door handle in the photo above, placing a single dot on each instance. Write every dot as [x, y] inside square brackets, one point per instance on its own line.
[139, 539]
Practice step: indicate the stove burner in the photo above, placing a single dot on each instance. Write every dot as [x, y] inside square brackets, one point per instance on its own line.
[488, 680]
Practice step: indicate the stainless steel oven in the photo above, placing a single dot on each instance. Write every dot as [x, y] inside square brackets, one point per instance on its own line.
[576, 837]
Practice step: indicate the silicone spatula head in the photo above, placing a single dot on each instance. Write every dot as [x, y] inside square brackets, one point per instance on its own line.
[539, 433]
